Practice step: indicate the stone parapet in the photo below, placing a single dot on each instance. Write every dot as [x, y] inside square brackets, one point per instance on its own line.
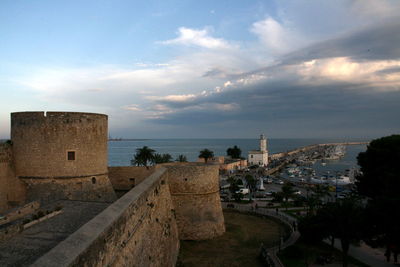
[139, 229]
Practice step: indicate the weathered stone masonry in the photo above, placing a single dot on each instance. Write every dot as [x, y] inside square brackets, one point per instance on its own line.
[139, 229]
[195, 194]
[63, 155]
[12, 190]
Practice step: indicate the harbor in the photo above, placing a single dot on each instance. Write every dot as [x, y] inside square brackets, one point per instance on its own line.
[332, 166]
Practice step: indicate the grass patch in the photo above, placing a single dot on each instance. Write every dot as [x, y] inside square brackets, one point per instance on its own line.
[302, 254]
[239, 246]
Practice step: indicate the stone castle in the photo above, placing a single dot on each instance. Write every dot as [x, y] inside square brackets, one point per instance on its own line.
[63, 156]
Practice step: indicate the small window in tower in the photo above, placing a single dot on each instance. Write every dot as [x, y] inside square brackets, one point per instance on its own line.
[71, 155]
[251, 156]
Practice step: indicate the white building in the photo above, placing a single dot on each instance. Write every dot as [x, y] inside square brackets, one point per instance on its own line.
[259, 157]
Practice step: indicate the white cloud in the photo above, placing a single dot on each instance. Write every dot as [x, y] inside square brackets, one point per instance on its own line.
[351, 71]
[276, 37]
[173, 98]
[132, 107]
[227, 107]
[201, 38]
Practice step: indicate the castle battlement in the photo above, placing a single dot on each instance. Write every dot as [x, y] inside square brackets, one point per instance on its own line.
[62, 156]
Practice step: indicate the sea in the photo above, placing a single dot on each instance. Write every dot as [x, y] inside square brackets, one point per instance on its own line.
[121, 152]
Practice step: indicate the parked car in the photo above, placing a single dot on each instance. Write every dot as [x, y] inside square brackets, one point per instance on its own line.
[268, 180]
[279, 182]
[243, 191]
[269, 193]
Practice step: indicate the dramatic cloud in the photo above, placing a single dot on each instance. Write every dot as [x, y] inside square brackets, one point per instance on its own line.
[372, 43]
[281, 81]
[321, 83]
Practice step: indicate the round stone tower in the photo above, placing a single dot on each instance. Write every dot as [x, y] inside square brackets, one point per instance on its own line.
[62, 155]
[195, 194]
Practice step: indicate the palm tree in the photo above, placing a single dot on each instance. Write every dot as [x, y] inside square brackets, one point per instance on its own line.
[162, 158]
[181, 158]
[320, 191]
[234, 152]
[167, 158]
[287, 192]
[312, 202]
[206, 154]
[251, 183]
[143, 157]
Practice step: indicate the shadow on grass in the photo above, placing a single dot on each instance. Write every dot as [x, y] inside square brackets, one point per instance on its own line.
[303, 255]
[239, 246]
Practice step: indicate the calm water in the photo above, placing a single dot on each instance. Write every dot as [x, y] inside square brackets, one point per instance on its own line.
[121, 152]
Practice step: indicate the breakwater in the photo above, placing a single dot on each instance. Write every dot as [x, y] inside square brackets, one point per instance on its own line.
[281, 159]
[312, 147]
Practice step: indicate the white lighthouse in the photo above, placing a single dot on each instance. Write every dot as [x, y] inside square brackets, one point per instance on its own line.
[263, 143]
[259, 157]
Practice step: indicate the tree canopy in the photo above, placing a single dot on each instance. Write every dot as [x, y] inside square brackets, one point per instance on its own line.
[380, 172]
[143, 157]
[234, 152]
[181, 158]
[162, 158]
[206, 154]
[343, 219]
[379, 180]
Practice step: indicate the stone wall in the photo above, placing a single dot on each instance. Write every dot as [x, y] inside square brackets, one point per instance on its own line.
[12, 190]
[195, 194]
[62, 152]
[139, 229]
[238, 164]
[125, 178]
[218, 159]
[86, 188]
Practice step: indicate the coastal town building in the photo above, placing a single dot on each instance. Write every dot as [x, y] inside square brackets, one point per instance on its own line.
[259, 157]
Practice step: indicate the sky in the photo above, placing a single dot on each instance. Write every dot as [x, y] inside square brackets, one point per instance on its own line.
[206, 69]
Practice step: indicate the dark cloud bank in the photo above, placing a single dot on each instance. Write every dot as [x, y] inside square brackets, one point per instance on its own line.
[287, 107]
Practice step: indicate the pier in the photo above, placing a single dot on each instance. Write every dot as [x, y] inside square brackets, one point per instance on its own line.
[283, 158]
